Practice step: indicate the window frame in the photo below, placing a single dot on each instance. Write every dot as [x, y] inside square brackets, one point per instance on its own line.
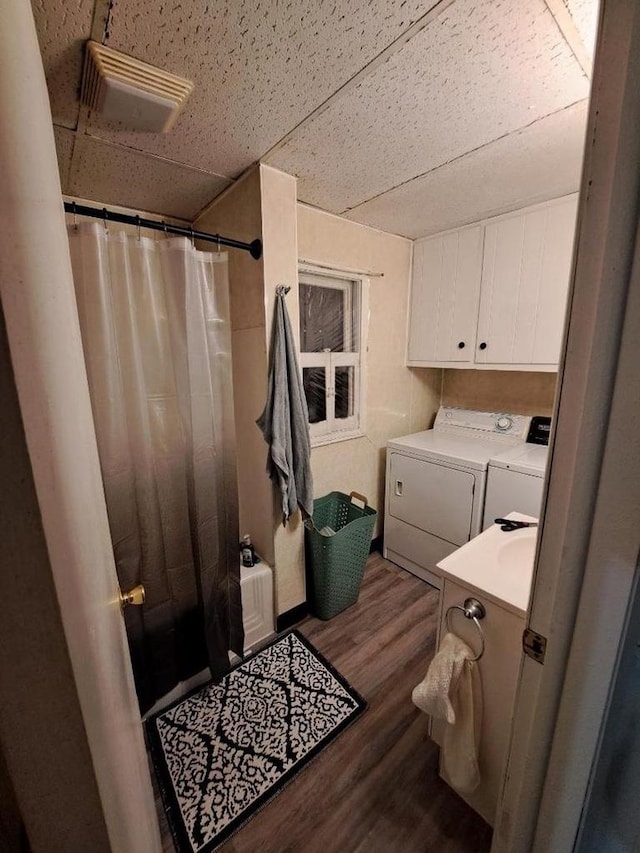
[356, 289]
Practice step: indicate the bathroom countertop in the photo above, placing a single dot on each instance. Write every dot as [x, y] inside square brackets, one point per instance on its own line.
[497, 564]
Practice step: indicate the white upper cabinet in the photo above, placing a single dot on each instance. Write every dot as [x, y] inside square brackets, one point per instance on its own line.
[444, 297]
[525, 277]
[494, 295]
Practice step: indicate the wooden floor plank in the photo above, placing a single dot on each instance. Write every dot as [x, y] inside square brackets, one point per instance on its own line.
[375, 789]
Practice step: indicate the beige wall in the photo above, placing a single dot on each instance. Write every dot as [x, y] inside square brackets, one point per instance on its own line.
[261, 204]
[237, 212]
[400, 400]
[519, 392]
[279, 200]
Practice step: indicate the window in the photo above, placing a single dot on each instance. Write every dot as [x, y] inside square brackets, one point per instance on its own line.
[331, 346]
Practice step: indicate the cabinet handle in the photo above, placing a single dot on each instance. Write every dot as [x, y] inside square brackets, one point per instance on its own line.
[461, 345]
[483, 345]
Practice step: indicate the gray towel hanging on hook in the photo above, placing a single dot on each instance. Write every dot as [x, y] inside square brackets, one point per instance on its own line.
[285, 419]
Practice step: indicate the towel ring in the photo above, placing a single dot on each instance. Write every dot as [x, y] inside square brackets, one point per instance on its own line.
[472, 609]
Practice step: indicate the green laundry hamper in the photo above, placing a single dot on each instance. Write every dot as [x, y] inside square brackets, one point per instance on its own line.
[336, 560]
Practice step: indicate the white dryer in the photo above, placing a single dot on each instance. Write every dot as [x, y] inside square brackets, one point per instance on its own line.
[515, 479]
[435, 485]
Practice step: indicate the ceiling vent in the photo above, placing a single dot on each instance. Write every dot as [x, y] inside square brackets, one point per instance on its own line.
[132, 92]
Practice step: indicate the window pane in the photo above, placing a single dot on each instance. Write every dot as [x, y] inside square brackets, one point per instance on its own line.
[344, 392]
[313, 380]
[322, 319]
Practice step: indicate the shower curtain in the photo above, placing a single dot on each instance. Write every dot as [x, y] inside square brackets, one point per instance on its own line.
[154, 318]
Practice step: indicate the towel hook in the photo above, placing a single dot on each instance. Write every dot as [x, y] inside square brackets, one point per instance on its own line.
[472, 609]
[282, 290]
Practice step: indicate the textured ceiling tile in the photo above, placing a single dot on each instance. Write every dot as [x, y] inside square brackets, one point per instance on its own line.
[540, 162]
[63, 27]
[64, 149]
[117, 175]
[585, 17]
[478, 72]
[259, 66]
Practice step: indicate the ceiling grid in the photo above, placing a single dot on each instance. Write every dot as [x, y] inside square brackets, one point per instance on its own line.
[446, 109]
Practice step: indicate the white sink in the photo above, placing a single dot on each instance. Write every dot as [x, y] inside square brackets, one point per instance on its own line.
[518, 549]
[496, 564]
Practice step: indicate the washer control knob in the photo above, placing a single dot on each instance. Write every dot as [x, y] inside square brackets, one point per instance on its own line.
[504, 423]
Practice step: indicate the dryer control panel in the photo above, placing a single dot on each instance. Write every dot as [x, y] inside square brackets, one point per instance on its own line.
[501, 426]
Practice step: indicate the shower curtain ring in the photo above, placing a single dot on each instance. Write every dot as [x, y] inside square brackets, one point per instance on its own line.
[138, 226]
[105, 216]
[218, 242]
[193, 241]
[75, 217]
[164, 228]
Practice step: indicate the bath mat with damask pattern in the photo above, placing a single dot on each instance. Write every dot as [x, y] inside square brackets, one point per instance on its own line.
[224, 751]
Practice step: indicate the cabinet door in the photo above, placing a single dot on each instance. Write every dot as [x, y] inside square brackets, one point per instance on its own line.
[525, 278]
[444, 297]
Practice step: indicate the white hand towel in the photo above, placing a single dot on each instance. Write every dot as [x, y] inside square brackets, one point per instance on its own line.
[451, 691]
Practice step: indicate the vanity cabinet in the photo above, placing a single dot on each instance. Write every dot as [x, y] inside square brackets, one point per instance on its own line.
[494, 295]
[499, 668]
[496, 568]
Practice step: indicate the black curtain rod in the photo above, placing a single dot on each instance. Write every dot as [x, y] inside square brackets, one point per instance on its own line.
[254, 248]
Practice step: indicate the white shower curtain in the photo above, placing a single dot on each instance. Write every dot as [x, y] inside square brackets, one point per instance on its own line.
[154, 317]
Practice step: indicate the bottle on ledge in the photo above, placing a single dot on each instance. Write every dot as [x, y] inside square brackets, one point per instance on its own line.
[247, 551]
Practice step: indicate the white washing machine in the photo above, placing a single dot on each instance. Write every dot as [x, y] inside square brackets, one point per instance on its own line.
[515, 479]
[435, 485]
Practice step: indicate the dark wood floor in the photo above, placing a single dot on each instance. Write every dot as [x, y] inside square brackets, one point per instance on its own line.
[376, 787]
